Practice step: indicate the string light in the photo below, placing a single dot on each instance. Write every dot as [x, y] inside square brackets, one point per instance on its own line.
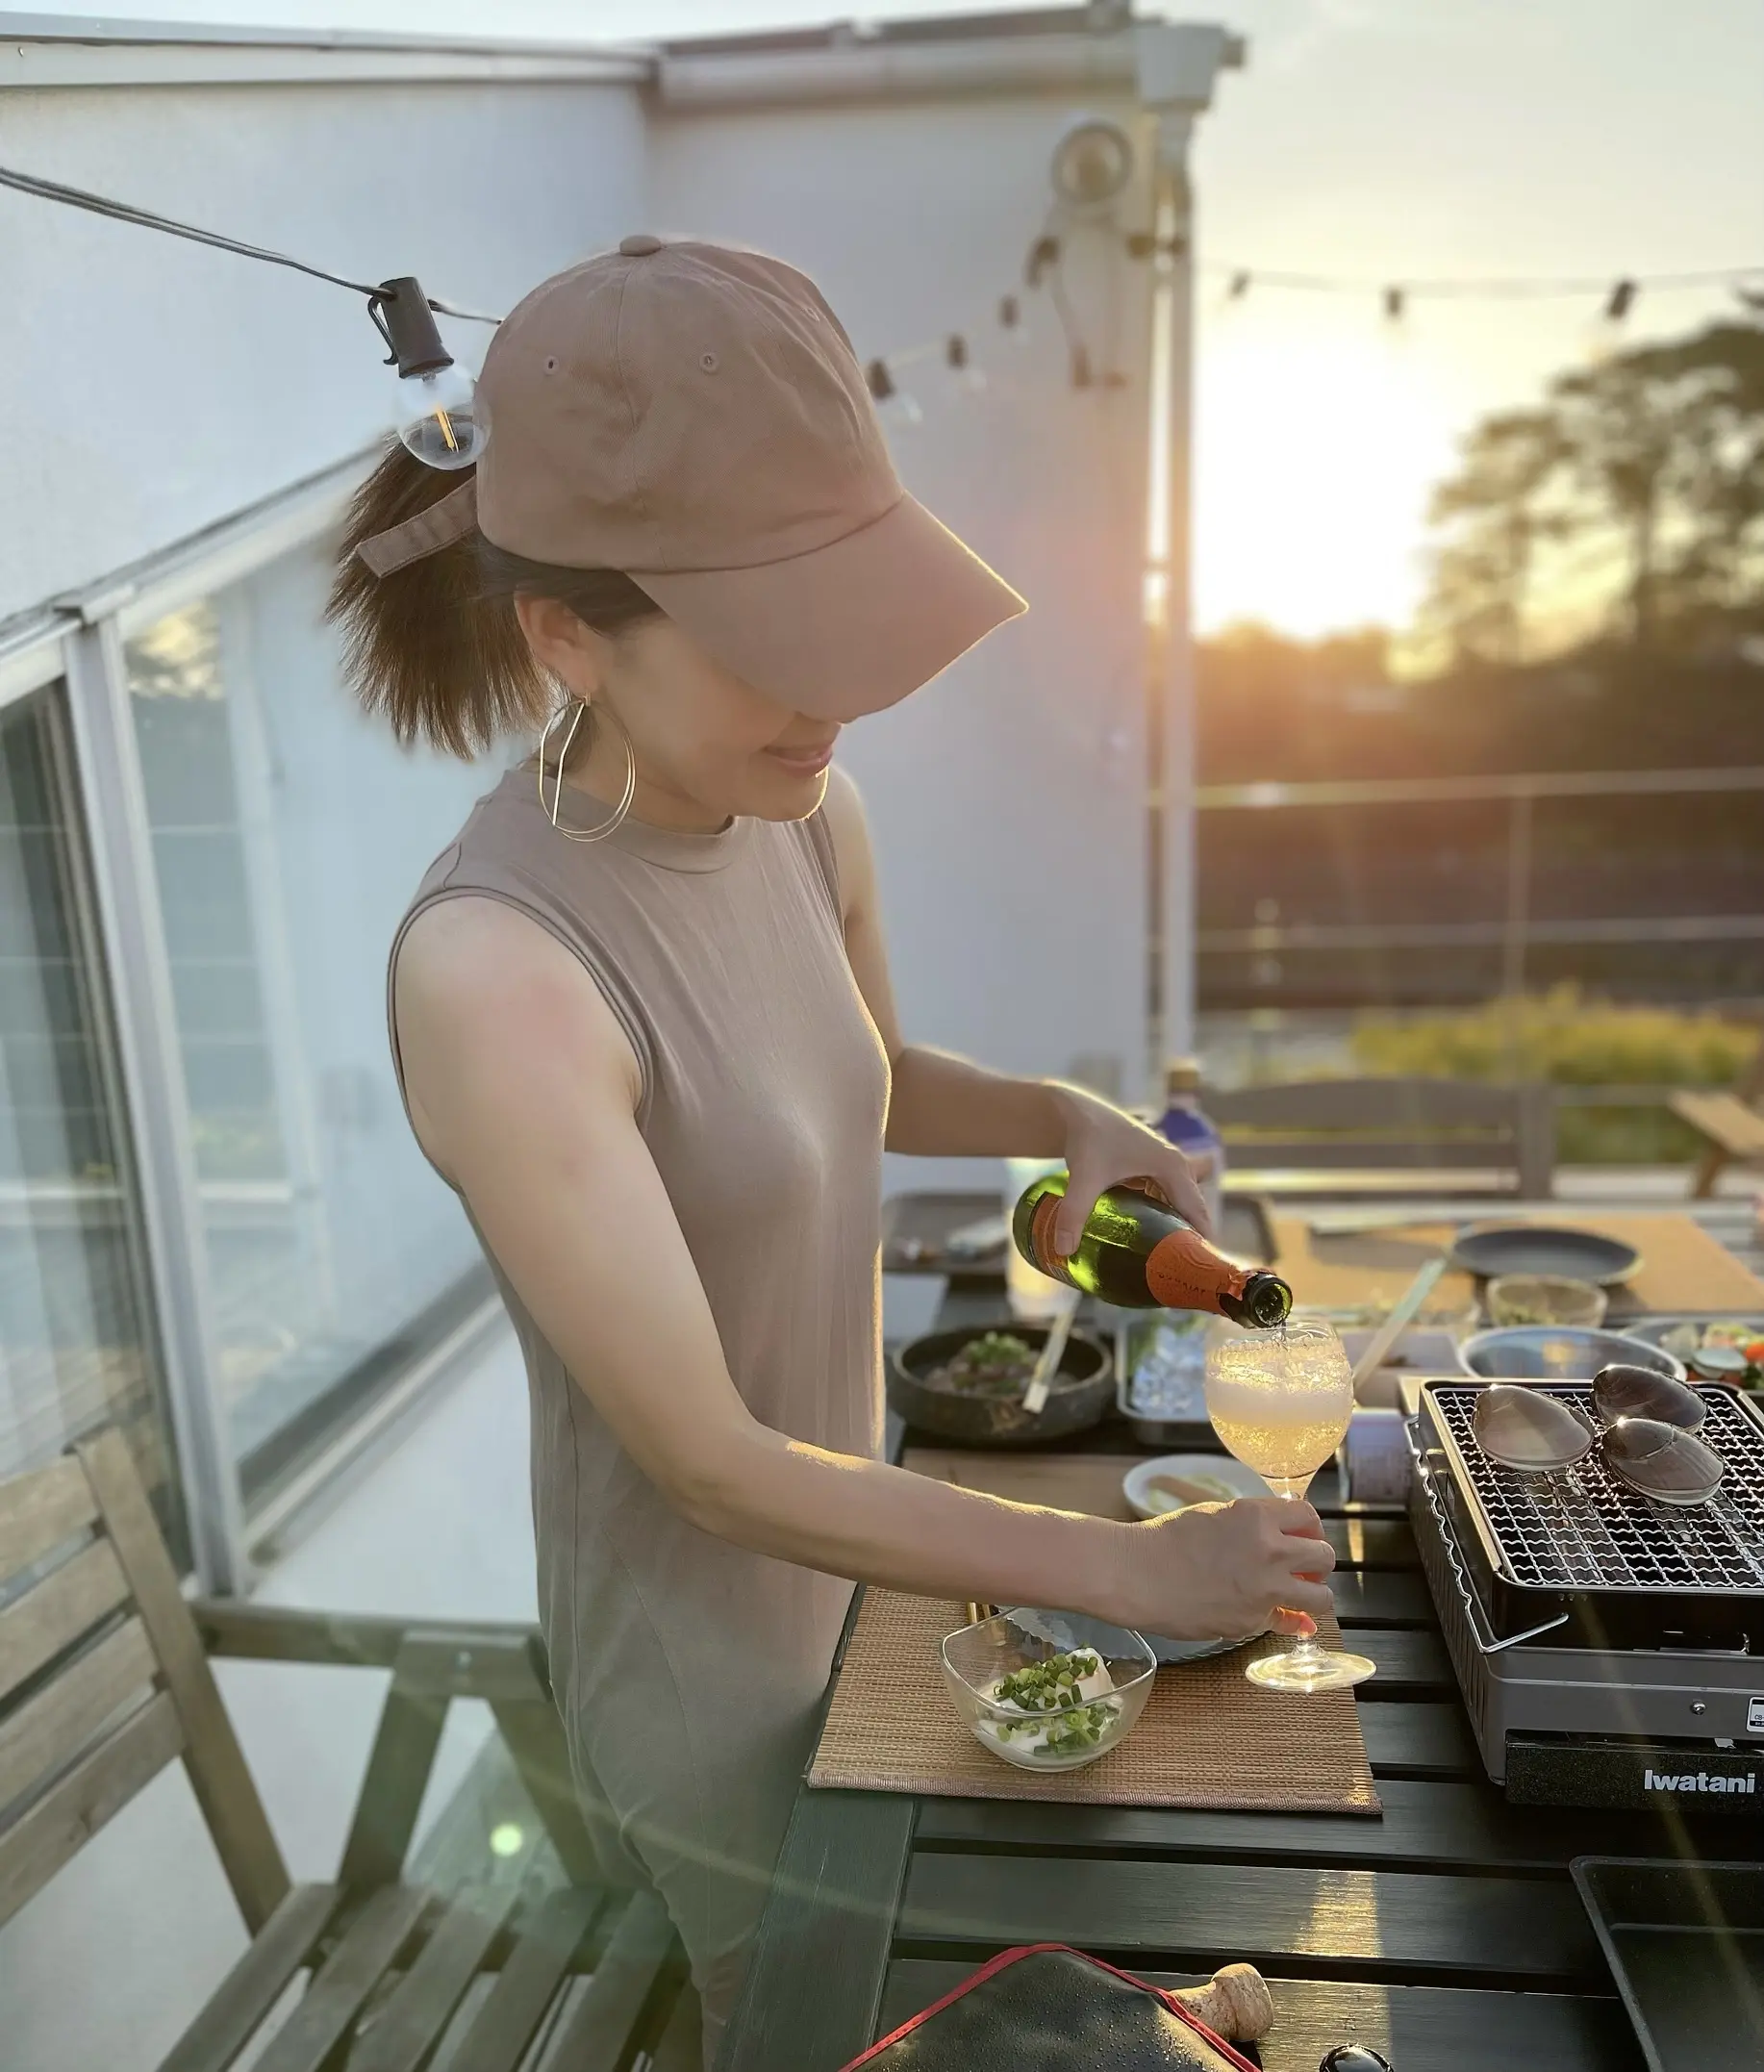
[960, 362]
[440, 420]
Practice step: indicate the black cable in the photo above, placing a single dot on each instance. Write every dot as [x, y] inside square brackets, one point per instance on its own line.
[122, 212]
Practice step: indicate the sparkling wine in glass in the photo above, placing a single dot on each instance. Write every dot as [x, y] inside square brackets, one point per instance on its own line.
[1281, 1400]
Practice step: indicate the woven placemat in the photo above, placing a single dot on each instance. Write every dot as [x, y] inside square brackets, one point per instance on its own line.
[1207, 1737]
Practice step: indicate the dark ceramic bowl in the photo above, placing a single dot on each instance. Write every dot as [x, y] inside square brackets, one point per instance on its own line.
[1082, 1391]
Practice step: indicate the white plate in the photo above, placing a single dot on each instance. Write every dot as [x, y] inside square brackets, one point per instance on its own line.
[1237, 1481]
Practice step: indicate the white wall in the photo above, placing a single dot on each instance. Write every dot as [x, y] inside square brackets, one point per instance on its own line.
[154, 386]
[1007, 799]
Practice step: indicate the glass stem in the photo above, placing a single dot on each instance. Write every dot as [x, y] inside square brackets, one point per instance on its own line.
[1289, 1489]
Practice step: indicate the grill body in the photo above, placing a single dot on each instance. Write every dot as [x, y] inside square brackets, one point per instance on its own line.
[1587, 1560]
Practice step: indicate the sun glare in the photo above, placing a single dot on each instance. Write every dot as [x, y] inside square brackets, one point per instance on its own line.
[1318, 438]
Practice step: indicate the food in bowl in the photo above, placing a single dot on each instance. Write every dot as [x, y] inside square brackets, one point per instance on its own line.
[1066, 1702]
[1741, 1335]
[999, 1363]
[1043, 1707]
[1515, 1299]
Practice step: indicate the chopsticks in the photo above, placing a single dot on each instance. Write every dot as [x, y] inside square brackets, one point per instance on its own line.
[1040, 1381]
[1408, 1305]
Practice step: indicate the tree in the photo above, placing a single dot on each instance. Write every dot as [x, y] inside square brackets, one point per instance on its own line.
[1634, 495]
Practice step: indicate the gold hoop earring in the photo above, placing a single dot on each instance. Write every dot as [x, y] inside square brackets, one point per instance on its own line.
[554, 802]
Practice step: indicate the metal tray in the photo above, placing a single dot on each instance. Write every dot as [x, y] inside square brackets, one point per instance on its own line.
[1685, 1944]
[1612, 1569]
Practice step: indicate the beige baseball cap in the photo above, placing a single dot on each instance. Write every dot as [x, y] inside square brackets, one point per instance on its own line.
[694, 416]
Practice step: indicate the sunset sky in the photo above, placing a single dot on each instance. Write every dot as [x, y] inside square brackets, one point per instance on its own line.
[1388, 139]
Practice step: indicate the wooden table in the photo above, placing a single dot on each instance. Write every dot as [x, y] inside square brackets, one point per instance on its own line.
[1447, 1934]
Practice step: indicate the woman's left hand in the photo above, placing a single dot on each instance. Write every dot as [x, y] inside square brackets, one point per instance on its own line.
[1105, 1148]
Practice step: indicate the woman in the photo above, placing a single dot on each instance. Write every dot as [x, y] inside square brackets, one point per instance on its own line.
[642, 1014]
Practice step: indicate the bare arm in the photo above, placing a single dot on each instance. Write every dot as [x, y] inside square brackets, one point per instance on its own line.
[945, 1106]
[523, 1089]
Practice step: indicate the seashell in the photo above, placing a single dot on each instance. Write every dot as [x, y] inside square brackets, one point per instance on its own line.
[1623, 1391]
[1524, 1428]
[1661, 1462]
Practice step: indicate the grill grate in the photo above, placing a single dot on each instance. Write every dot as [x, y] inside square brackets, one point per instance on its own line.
[1582, 1529]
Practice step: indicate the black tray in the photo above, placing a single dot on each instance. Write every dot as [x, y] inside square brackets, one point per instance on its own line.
[1685, 1944]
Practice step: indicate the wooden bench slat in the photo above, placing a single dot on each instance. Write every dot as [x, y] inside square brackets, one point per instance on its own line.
[217, 1764]
[54, 1726]
[256, 1983]
[1487, 1930]
[40, 1510]
[1419, 2028]
[628, 1995]
[53, 1614]
[548, 1945]
[403, 2033]
[70, 1815]
[1725, 1120]
[336, 1996]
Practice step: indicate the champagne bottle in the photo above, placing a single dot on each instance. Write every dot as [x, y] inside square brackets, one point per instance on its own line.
[1137, 1254]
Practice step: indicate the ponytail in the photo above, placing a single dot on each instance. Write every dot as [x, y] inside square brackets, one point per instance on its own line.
[435, 647]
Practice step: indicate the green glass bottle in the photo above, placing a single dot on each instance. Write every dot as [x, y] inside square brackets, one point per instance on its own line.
[1137, 1254]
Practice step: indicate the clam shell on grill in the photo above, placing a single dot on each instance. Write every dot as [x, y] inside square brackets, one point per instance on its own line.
[1524, 1428]
[1660, 1461]
[1622, 1391]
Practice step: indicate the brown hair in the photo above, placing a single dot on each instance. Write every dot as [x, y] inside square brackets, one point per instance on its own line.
[436, 645]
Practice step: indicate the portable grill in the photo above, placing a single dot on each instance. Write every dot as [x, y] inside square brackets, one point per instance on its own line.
[1610, 1649]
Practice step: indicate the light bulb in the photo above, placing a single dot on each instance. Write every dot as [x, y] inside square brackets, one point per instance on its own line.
[441, 417]
[960, 362]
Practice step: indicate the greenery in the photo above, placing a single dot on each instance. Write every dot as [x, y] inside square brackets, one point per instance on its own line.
[1628, 505]
[1572, 1041]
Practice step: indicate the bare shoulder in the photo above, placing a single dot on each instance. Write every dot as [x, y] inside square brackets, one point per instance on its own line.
[487, 997]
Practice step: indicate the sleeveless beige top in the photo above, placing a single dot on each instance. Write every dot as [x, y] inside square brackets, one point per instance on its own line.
[688, 1669]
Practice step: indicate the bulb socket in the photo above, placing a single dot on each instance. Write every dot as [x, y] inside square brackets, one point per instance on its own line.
[406, 324]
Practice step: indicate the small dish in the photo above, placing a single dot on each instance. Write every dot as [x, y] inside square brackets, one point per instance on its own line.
[1216, 1478]
[1521, 1299]
[1054, 1725]
[1078, 1630]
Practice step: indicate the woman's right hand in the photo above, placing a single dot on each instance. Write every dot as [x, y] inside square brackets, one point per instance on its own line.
[1218, 1571]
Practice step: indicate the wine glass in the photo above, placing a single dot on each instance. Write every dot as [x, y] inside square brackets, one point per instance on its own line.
[1281, 1400]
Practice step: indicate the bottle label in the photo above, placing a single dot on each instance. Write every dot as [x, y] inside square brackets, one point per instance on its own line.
[1183, 1272]
[1045, 1253]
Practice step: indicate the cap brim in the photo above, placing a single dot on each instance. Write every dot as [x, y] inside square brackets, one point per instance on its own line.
[846, 630]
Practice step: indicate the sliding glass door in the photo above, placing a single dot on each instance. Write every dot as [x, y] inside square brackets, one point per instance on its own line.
[77, 1336]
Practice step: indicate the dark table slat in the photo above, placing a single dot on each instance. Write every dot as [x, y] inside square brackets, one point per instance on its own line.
[1418, 1740]
[1382, 1597]
[815, 1984]
[1407, 1660]
[1435, 1825]
[1324, 1923]
[1418, 2028]
[1374, 1539]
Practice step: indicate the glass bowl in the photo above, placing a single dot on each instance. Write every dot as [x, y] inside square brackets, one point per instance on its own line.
[1057, 1726]
[1545, 1299]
